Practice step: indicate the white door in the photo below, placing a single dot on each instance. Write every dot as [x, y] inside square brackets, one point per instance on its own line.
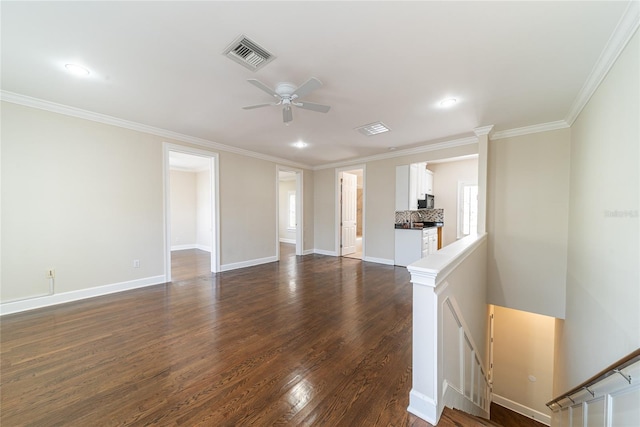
[349, 184]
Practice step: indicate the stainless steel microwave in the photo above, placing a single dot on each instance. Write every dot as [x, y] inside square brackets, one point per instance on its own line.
[427, 203]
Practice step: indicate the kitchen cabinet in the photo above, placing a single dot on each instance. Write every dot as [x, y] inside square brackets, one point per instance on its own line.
[425, 180]
[428, 180]
[414, 244]
[412, 183]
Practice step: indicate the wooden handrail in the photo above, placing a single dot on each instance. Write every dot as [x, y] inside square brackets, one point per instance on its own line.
[610, 370]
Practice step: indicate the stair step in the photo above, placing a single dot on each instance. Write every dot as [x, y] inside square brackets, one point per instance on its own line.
[456, 418]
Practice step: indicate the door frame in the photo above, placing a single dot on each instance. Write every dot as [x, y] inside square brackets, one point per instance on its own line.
[299, 208]
[215, 203]
[338, 206]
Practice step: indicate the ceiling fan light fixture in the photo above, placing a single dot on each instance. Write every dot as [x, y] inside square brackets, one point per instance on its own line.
[449, 102]
[299, 144]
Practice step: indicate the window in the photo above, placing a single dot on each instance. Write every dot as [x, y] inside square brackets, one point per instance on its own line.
[467, 209]
[292, 210]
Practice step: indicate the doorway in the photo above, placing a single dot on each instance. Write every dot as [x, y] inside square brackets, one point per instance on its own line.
[350, 211]
[289, 209]
[191, 208]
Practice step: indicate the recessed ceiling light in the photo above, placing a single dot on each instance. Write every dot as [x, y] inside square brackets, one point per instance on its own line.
[449, 102]
[373, 129]
[77, 70]
[299, 144]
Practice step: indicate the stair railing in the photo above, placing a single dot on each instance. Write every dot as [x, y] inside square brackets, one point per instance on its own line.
[603, 389]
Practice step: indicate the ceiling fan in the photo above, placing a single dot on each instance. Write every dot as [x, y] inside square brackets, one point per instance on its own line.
[288, 94]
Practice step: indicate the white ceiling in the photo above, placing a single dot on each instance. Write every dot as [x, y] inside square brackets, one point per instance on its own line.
[160, 64]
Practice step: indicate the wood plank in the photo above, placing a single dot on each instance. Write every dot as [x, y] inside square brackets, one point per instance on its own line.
[309, 340]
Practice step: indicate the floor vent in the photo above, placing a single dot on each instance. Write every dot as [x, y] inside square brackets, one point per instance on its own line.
[248, 53]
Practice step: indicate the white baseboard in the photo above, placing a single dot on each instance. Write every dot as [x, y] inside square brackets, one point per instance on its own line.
[522, 410]
[307, 252]
[64, 297]
[249, 263]
[379, 260]
[182, 247]
[190, 246]
[423, 406]
[323, 252]
[283, 240]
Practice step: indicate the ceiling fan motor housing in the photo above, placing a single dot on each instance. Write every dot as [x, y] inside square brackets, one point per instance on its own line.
[285, 89]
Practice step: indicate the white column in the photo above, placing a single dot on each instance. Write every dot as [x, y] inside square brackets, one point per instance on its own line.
[483, 153]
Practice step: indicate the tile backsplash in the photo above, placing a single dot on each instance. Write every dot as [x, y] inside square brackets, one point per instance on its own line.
[421, 215]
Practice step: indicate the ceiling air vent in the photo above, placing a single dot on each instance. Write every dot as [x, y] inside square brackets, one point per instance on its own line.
[373, 129]
[248, 53]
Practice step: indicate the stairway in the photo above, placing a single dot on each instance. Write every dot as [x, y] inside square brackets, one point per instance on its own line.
[456, 418]
[502, 417]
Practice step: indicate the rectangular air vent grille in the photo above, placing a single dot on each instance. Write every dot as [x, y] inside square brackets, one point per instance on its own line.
[248, 53]
[373, 129]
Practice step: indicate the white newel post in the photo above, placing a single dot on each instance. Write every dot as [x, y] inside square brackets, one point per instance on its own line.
[423, 398]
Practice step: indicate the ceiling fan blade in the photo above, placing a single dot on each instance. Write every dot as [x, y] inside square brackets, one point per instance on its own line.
[313, 107]
[287, 115]
[262, 86]
[251, 107]
[307, 87]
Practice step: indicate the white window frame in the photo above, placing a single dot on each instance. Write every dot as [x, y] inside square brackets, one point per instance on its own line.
[291, 210]
[460, 223]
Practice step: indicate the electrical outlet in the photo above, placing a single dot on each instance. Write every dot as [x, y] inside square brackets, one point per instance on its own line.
[136, 263]
[50, 273]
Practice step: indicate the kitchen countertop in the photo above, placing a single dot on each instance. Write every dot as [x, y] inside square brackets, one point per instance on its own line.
[422, 227]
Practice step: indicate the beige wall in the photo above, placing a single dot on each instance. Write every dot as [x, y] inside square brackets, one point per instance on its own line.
[183, 208]
[523, 346]
[86, 199]
[308, 210]
[446, 177]
[603, 281]
[527, 215]
[283, 221]
[81, 197]
[203, 210]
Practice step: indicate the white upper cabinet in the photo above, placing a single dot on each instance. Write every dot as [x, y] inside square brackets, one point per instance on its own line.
[425, 180]
[428, 182]
[413, 182]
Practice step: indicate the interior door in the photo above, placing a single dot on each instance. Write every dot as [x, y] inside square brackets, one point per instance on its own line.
[349, 184]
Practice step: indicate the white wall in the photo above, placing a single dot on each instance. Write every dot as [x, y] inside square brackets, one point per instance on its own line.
[527, 216]
[183, 209]
[283, 222]
[446, 177]
[603, 281]
[523, 345]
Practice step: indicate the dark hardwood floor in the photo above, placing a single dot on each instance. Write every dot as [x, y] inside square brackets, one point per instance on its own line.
[309, 340]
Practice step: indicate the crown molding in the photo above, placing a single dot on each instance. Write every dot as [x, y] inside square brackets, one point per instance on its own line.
[626, 28]
[399, 153]
[542, 127]
[484, 130]
[41, 104]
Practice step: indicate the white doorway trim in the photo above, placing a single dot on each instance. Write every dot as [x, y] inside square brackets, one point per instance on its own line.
[338, 206]
[299, 208]
[215, 203]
